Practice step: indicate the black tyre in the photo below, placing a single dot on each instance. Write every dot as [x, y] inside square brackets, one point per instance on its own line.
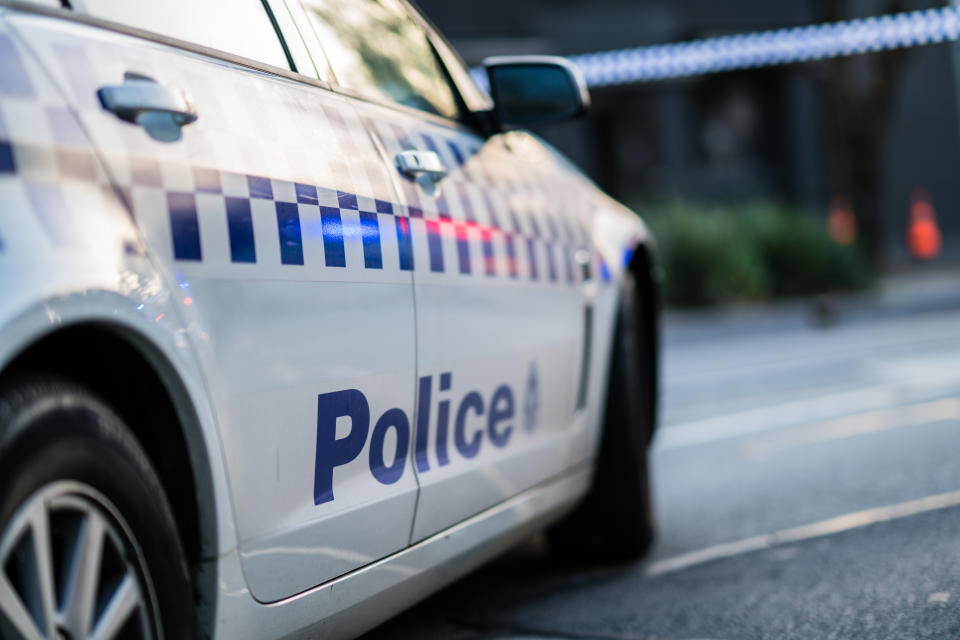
[614, 522]
[88, 544]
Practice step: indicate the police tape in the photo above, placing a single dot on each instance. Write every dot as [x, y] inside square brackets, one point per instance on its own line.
[766, 48]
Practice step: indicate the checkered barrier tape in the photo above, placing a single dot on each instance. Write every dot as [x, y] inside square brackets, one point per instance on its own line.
[766, 48]
[518, 227]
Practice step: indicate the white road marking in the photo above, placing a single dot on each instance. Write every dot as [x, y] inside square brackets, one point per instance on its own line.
[787, 415]
[914, 415]
[847, 522]
[751, 421]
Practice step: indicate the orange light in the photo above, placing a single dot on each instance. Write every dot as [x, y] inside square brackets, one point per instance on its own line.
[923, 235]
[841, 223]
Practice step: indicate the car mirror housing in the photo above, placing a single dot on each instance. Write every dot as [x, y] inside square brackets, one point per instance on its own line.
[531, 90]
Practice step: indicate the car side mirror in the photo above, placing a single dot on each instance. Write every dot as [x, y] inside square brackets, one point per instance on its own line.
[529, 90]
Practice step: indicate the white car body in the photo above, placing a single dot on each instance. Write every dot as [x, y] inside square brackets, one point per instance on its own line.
[277, 273]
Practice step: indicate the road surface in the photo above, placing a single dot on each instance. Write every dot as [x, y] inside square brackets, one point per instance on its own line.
[807, 485]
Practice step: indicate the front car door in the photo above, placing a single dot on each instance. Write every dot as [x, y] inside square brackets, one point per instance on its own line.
[272, 212]
[498, 299]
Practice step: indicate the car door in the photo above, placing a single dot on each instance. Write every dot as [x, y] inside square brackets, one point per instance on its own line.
[272, 213]
[498, 304]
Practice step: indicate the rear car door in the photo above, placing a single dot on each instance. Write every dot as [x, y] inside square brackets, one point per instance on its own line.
[271, 212]
[499, 333]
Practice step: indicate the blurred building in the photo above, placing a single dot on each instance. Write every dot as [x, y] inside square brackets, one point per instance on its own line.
[870, 129]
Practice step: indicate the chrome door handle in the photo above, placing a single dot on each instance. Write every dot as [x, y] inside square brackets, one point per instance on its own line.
[415, 164]
[158, 109]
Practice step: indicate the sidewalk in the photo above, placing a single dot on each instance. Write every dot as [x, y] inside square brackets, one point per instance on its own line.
[898, 294]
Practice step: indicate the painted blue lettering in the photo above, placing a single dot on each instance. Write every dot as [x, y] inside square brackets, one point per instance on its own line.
[501, 409]
[423, 424]
[396, 419]
[332, 451]
[474, 401]
[443, 421]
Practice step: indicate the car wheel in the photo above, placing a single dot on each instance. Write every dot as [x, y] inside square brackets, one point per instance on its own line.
[614, 522]
[88, 544]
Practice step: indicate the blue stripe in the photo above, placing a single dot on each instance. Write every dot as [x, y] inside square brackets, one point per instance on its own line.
[384, 207]
[489, 263]
[347, 200]
[457, 154]
[6, 158]
[568, 263]
[491, 210]
[332, 226]
[551, 262]
[511, 257]
[260, 187]
[552, 227]
[404, 243]
[288, 229]
[463, 249]
[467, 208]
[431, 145]
[535, 227]
[370, 232]
[240, 228]
[184, 226]
[514, 221]
[402, 137]
[306, 193]
[435, 244]
[532, 250]
[604, 271]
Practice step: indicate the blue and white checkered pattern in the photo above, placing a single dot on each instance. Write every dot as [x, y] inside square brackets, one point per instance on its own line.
[766, 48]
[277, 199]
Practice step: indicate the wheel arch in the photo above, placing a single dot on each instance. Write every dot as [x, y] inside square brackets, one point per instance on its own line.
[138, 381]
[646, 278]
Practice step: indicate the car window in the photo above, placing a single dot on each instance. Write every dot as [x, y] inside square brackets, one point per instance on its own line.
[240, 27]
[475, 97]
[377, 50]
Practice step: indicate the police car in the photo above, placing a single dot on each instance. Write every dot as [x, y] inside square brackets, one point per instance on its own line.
[297, 324]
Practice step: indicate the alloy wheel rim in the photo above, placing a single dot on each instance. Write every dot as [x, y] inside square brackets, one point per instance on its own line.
[70, 569]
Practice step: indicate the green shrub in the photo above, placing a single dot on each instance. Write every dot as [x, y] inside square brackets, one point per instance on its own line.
[714, 254]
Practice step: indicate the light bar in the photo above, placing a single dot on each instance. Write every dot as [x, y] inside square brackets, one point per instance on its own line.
[767, 48]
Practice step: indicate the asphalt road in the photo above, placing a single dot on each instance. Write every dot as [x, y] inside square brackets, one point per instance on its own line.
[807, 485]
